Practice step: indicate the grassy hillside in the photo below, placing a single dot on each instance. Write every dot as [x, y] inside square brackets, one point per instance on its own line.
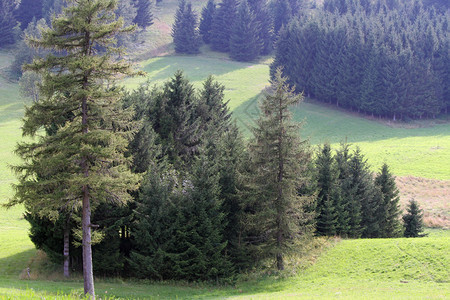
[374, 269]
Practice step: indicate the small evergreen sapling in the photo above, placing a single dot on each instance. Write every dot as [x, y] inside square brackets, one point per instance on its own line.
[413, 220]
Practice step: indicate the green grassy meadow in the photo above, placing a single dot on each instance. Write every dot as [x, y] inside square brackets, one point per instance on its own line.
[397, 268]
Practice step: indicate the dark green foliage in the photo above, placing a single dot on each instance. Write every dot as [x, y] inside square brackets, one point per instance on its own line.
[188, 201]
[281, 14]
[413, 220]
[263, 18]
[389, 216]
[276, 213]
[7, 23]
[206, 21]
[362, 204]
[212, 109]
[223, 24]
[27, 11]
[185, 33]
[384, 59]
[173, 117]
[144, 16]
[326, 178]
[244, 40]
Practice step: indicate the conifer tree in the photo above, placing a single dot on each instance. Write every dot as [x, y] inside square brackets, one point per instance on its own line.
[281, 15]
[27, 11]
[390, 209]
[361, 187]
[184, 31]
[244, 41]
[279, 158]
[144, 16]
[206, 21]
[413, 220]
[223, 24]
[346, 210]
[83, 163]
[326, 177]
[7, 22]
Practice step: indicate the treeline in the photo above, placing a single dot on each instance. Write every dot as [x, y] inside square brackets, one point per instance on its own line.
[19, 19]
[244, 29]
[384, 58]
[211, 205]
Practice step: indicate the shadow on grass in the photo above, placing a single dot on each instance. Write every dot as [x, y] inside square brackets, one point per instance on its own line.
[324, 124]
[130, 289]
[13, 265]
[197, 68]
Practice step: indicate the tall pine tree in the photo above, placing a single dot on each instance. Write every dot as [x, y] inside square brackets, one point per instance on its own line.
[83, 163]
[244, 41]
[206, 21]
[279, 158]
[184, 31]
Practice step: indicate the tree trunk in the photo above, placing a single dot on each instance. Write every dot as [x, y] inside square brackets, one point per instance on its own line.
[87, 249]
[88, 275]
[66, 249]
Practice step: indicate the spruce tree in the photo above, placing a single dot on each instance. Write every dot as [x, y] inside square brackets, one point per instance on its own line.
[244, 41]
[389, 219]
[223, 24]
[7, 22]
[184, 31]
[326, 177]
[206, 21]
[346, 209]
[83, 163]
[144, 17]
[279, 158]
[27, 11]
[362, 203]
[413, 220]
[281, 15]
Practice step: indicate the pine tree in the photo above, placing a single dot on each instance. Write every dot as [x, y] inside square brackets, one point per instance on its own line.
[27, 11]
[361, 188]
[244, 42]
[206, 21]
[83, 163]
[281, 15]
[184, 31]
[174, 119]
[326, 177]
[263, 18]
[279, 158]
[413, 220]
[349, 213]
[7, 22]
[389, 219]
[212, 109]
[223, 24]
[144, 16]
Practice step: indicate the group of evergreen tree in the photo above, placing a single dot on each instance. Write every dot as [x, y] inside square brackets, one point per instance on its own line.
[31, 14]
[350, 202]
[384, 58]
[245, 29]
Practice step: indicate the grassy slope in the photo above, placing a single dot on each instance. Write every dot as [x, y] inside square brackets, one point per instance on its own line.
[15, 246]
[377, 268]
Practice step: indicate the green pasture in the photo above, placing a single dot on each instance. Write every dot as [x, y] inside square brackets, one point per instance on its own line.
[351, 269]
